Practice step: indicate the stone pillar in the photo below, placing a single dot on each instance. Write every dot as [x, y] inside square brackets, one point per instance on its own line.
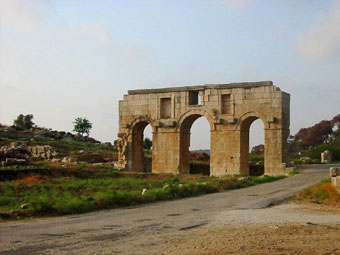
[275, 152]
[224, 153]
[165, 152]
[335, 177]
[137, 164]
[184, 166]
[244, 151]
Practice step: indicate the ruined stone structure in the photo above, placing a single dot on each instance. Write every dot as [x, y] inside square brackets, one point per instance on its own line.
[326, 156]
[230, 110]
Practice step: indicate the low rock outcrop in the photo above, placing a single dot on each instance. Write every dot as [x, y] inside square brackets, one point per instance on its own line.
[18, 153]
[42, 151]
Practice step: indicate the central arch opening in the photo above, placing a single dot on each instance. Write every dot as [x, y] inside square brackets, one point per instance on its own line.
[195, 145]
[252, 147]
[142, 147]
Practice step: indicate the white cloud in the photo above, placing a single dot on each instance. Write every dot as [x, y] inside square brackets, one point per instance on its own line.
[235, 4]
[23, 14]
[322, 41]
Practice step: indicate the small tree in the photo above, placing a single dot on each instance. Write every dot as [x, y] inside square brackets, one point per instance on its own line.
[147, 144]
[82, 126]
[24, 121]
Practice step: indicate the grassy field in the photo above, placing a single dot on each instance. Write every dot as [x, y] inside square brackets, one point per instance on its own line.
[84, 188]
[43, 188]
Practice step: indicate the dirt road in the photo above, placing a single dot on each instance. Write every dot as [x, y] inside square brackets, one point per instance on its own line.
[161, 227]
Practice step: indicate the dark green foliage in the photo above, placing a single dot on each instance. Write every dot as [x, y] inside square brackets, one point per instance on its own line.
[315, 153]
[256, 157]
[82, 126]
[147, 143]
[313, 140]
[24, 121]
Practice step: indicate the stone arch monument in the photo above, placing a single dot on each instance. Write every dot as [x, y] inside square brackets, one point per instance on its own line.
[230, 110]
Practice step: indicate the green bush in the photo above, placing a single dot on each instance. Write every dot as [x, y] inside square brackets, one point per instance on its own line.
[6, 201]
[315, 153]
[256, 158]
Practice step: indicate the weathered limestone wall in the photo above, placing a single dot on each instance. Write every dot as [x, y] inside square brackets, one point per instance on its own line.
[230, 110]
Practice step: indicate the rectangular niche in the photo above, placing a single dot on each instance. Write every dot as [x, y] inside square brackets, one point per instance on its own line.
[194, 98]
[226, 104]
[165, 108]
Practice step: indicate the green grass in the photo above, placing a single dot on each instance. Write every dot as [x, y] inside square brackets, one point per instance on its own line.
[294, 172]
[107, 188]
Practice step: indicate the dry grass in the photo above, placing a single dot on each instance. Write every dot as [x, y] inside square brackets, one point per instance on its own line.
[323, 192]
[31, 180]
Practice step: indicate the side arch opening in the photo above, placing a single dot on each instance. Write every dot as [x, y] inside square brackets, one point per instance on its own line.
[195, 147]
[142, 147]
[252, 146]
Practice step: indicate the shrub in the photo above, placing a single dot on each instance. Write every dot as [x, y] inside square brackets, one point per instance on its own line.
[23, 122]
[315, 153]
[324, 191]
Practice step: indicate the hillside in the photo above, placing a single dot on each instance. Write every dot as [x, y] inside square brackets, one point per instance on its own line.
[36, 144]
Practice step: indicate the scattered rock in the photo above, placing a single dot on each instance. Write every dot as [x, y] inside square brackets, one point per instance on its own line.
[15, 161]
[244, 178]
[56, 160]
[291, 164]
[69, 160]
[306, 159]
[24, 206]
[166, 186]
[144, 191]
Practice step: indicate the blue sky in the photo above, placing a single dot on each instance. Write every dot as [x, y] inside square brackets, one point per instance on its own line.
[64, 59]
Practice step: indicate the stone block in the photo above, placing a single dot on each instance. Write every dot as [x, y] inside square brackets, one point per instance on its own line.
[270, 119]
[336, 182]
[169, 123]
[231, 120]
[334, 171]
